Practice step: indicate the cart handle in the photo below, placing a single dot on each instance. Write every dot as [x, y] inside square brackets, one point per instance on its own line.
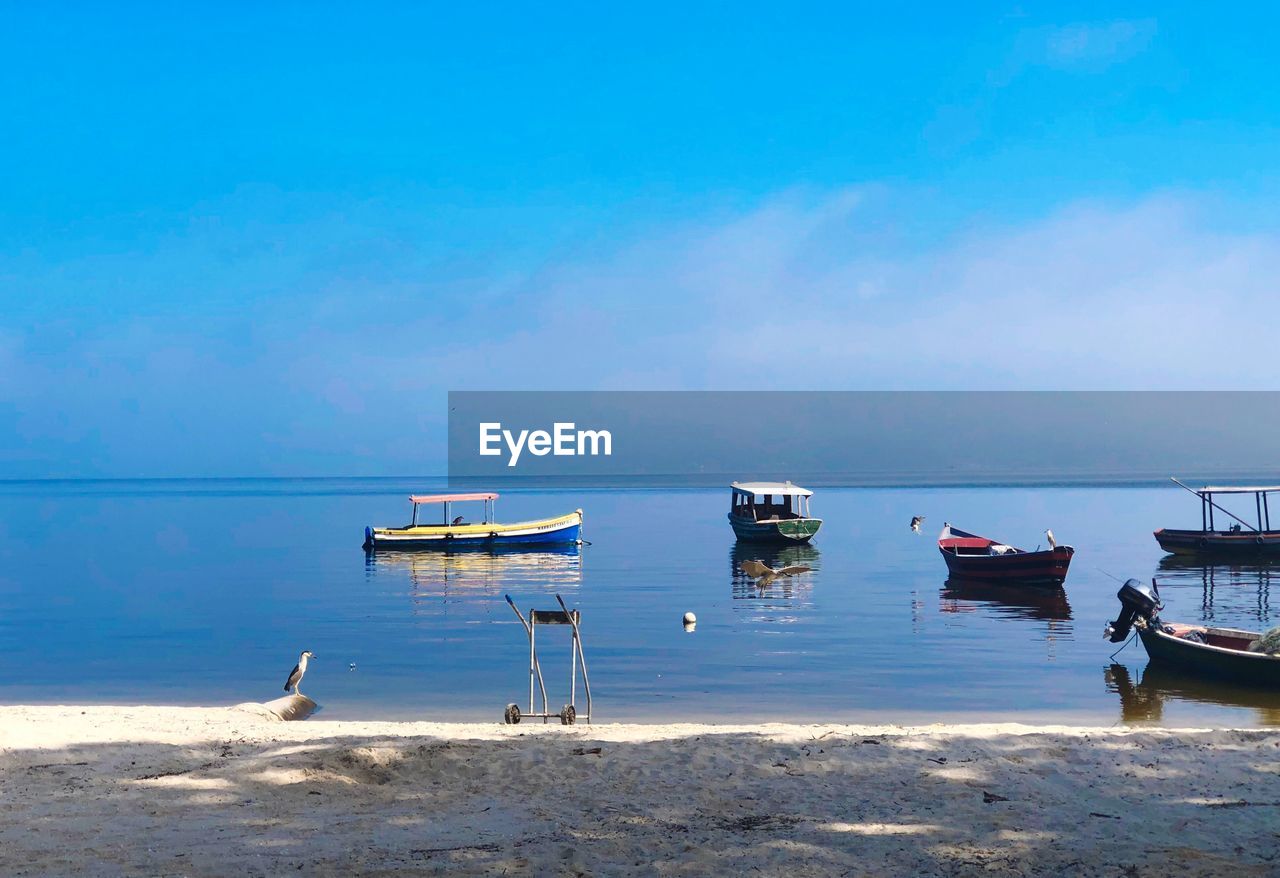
[582, 658]
[519, 615]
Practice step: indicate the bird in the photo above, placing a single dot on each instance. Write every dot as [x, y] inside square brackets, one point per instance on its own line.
[764, 574]
[295, 676]
[915, 523]
[457, 521]
[1048, 534]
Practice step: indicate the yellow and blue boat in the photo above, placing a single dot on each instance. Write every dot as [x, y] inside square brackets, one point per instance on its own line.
[458, 533]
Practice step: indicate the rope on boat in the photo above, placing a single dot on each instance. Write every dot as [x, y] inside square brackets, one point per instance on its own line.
[1123, 645]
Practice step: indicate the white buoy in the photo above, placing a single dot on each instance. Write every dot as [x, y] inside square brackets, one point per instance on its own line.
[690, 619]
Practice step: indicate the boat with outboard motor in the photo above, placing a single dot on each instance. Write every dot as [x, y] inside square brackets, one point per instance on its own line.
[1242, 656]
[458, 533]
[970, 556]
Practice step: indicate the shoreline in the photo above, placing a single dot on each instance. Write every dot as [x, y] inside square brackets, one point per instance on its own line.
[209, 791]
[1187, 715]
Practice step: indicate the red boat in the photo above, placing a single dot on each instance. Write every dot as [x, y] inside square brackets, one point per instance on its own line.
[974, 557]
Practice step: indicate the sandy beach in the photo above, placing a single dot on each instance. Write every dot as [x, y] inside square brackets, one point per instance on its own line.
[224, 791]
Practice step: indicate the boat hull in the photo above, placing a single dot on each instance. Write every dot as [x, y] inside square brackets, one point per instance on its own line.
[1219, 543]
[787, 530]
[562, 530]
[1252, 668]
[1045, 569]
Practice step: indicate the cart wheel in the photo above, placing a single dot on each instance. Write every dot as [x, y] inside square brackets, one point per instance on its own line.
[568, 715]
[512, 714]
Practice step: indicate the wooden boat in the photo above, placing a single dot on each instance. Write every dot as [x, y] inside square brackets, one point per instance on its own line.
[771, 512]
[457, 533]
[1239, 539]
[970, 556]
[1203, 649]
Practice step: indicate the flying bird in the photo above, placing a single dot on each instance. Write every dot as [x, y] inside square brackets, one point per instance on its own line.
[295, 676]
[916, 521]
[764, 574]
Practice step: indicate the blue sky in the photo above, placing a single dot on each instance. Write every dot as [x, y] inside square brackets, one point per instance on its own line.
[267, 242]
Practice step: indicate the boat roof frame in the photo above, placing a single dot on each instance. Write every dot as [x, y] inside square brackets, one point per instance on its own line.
[1238, 489]
[1259, 492]
[766, 489]
[417, 499]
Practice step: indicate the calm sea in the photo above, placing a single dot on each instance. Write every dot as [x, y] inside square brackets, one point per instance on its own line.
[204, 592]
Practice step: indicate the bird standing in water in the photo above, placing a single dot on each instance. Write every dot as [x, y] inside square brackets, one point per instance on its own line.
[915, 523]
[295, 676]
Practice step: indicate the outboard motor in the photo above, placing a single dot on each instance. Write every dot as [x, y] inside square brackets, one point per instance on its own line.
[1138, 600]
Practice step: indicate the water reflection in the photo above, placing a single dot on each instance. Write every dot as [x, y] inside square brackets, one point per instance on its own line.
[1231, 590]
[747, 587]
[434, 574]
[1144, 701]
[960, 595]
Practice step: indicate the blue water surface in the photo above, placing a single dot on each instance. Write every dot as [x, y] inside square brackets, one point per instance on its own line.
[204, 592]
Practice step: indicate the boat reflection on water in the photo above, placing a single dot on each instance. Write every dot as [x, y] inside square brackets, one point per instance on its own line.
[1004, 601]
[747, 587]
[434, 574]
[1228, 590]
[1144, 701]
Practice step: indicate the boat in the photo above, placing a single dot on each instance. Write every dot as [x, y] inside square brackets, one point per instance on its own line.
[1219, 652]
[1238, 539]
[970, 556]
[771, 512]
[458, 533]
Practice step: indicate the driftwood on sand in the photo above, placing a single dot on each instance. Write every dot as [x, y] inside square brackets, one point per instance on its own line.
[289, 707]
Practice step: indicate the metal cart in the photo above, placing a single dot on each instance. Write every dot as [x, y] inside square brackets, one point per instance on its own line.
[564, 616]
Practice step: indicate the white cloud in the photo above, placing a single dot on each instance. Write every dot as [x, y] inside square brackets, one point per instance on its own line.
[803, 293]
[808, 290]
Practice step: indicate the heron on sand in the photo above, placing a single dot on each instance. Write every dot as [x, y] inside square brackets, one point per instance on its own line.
[295, 676]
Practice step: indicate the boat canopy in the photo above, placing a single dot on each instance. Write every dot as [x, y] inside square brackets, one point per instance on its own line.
[1234, 489]
[449, 498]
[766, 489]
[1207, 506]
